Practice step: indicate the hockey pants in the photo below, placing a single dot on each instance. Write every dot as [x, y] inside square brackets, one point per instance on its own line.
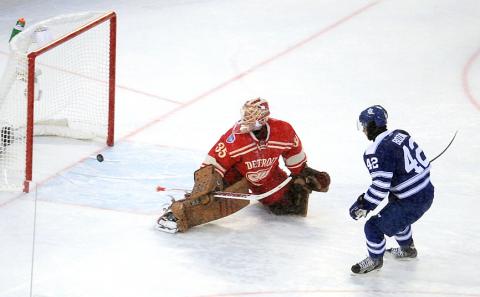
[395, 219]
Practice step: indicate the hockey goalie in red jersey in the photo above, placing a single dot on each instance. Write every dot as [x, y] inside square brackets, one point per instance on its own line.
[246, 160]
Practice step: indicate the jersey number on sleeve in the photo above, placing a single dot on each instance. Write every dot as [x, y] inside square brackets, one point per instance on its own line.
[221, 150]
[372, 163]
[411, 162]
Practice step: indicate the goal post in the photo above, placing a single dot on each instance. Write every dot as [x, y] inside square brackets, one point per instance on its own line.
[59, 81]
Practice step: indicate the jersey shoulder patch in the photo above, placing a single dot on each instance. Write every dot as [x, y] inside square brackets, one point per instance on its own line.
[230, 138]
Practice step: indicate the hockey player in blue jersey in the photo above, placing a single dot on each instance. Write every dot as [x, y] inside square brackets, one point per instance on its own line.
[400, 171]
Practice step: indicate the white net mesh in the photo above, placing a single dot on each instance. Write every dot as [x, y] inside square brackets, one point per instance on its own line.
[71, 88]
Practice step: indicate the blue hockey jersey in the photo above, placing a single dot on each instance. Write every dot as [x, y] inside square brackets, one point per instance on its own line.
[397, 165]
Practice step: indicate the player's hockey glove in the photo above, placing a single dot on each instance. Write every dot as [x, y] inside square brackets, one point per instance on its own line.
[360, 208]
[315, 180]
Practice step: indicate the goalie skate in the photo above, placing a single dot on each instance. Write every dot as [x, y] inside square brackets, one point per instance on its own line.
[167, 222]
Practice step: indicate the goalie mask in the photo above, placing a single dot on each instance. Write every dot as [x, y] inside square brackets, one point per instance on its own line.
[254, 114]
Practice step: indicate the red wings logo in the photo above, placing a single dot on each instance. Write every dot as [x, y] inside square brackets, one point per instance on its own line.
[255, 177]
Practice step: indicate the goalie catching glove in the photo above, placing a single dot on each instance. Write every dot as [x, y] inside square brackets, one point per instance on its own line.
[313, 180]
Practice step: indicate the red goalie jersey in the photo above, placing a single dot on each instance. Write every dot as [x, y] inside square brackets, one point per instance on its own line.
[243, 155]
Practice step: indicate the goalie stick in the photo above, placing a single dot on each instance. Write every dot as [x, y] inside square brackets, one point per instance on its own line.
[231, 195]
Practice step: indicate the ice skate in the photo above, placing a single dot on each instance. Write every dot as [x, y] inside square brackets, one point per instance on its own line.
[167, 222]
[405, 252]
[366, 265]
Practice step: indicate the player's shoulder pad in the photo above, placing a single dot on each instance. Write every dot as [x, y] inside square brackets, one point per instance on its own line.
[232, 139]
[279, 127]
[277, 122]
[378, 143]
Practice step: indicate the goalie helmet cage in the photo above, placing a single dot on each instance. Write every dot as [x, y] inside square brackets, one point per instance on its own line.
[59, 81]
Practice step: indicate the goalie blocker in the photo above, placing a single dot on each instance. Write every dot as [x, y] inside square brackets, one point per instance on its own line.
[200, 206]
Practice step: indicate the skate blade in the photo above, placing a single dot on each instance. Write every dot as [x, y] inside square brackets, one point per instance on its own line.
[391, 255]
[165, 229]
[166, 226]
[370, 273]
[402, 259]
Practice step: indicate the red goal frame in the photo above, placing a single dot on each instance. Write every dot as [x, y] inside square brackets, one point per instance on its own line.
[108, 17]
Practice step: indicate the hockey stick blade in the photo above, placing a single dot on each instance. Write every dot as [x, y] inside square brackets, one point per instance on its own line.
[445, 149]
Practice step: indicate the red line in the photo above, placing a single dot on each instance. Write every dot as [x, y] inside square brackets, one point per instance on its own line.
[12, 199]
[106, 82]
[253, 68]
[465, 79]
[148, 94]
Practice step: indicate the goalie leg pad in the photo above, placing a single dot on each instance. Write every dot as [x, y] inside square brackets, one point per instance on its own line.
[191, 212]
[206, 180]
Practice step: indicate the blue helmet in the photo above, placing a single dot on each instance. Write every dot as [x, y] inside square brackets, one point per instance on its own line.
[376, 114]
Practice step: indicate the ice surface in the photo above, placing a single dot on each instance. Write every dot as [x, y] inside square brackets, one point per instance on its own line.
[184, 68]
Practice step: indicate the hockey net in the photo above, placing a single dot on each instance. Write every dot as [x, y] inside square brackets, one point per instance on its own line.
[59, 81]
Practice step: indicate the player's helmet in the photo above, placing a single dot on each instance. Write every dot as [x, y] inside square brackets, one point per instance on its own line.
[254, 114]
[373, 121]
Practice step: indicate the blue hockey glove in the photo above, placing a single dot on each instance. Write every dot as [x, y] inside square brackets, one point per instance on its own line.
[359, 208]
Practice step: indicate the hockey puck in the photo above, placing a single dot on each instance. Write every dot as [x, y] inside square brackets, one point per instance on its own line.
[100, 158]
